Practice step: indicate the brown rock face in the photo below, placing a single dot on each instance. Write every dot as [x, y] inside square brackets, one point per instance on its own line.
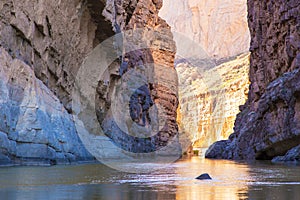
[150, 75]
[275, 42]
[268, 125]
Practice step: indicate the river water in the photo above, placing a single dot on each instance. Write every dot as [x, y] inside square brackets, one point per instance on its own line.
[231, 180]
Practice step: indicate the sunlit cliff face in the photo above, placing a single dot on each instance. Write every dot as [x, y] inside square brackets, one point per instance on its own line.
[208, 108]
[220, 26]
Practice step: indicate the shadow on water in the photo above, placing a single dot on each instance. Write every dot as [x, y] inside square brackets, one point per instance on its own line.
[231, 180]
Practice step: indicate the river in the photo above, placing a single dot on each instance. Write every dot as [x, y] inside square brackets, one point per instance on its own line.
[231, 180]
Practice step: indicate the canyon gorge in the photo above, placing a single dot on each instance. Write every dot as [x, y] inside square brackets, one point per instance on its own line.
[179, 71]
[212, 86]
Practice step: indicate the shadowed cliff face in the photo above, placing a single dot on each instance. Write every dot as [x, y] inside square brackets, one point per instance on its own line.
[42, 46]
[53, 38]
[268, 125]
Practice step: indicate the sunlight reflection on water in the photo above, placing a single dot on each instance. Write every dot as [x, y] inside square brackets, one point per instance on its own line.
[231, 180]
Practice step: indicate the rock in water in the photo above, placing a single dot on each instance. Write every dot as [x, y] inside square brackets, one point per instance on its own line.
[204, 177]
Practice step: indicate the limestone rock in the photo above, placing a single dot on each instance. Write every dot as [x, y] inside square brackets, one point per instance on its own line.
[33, 123]
[53, 38]
[209, 105]
[209, 34]
[148, 74]
[43, 45]
[219, 26]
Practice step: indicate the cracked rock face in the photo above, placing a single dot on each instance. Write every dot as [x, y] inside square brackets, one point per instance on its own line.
[208, 107]
[268, 125]
[42, 46]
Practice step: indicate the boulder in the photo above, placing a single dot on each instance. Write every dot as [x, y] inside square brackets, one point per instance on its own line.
[204, 177]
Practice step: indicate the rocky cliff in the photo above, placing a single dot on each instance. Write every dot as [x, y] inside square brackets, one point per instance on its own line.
[42, 46]
[268, 125]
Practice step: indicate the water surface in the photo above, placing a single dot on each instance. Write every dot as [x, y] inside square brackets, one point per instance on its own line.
[231, 180]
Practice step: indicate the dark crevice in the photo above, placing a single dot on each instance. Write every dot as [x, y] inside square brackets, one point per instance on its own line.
[104, 27]
[49, 26]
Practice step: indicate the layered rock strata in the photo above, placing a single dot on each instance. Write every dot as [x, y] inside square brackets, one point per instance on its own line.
[35, 128]
[208, 108]
[145, 80]
[42, 46]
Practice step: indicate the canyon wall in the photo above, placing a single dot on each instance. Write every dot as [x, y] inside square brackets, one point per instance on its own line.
[214, 84]
[208, 107]
[146, 81]
[268, 125]
[220, 27]
[42, 46]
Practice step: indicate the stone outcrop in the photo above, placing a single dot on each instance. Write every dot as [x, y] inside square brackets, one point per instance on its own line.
[53, 38]
[268, 125]
[219, 26]
[43, 45]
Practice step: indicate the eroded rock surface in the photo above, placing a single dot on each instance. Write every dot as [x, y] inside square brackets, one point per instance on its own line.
[292, 156]
[42, 46]
[149, 75]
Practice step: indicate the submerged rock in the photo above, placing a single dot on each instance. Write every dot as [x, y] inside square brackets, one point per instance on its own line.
[204, 177]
